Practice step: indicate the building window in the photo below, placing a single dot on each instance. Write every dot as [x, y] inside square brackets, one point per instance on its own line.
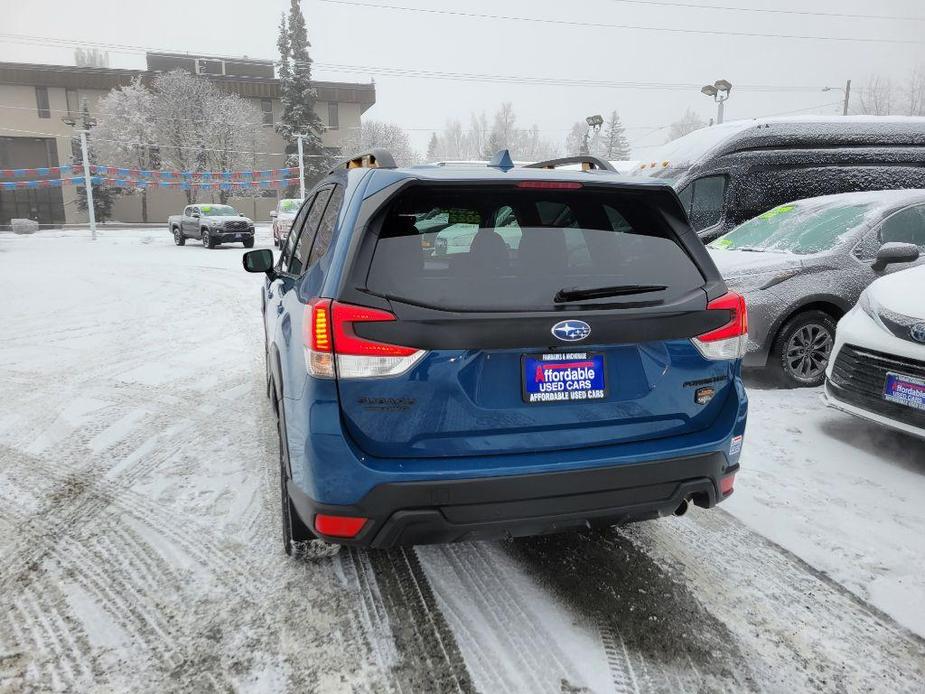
[73, 103]
[41, 102]
[266, 105]
[333, 115]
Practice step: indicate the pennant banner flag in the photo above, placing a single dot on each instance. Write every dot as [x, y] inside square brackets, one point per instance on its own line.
[43, 171]
[154, 174]
[129, 182]
[169, 175]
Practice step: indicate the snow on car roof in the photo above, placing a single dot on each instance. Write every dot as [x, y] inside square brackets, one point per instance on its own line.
[875, 199]
[689, 149]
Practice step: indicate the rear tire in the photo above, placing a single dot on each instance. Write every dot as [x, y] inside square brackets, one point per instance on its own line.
[802, 349]
[178, 237]
[298, 540]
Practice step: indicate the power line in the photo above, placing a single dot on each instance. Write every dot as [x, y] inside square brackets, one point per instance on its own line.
[604, 25]
[550, 81]
[764, 10]
[152, 144]
[474, 77]
[447, 75]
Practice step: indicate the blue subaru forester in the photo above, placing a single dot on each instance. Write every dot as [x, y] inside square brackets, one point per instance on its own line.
[467, 352]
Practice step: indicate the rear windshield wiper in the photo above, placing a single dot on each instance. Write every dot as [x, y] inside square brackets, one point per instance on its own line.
[574, 294]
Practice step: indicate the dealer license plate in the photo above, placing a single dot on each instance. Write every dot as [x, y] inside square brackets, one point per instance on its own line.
[563, 377]
[905, 390]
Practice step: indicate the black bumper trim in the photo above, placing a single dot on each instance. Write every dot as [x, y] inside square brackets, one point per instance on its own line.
[410, 513]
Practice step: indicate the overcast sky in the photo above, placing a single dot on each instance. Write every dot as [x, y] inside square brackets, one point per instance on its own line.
[373, 36]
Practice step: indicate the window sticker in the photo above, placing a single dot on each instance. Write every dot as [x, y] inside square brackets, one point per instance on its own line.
[780, 209]
[460, 216]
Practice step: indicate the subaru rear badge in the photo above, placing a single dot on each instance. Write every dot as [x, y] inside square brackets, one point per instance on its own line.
[571, 330]
[917, 332]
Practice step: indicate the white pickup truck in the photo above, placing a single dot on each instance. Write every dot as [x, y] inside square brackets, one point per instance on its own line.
[211, 224]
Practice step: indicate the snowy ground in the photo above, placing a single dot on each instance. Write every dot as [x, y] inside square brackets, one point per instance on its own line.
[139, 546]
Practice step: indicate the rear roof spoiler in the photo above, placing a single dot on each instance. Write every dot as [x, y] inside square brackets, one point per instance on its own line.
[373, 159]
[587, 162]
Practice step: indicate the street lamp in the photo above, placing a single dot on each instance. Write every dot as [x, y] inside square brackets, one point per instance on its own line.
[88, 181]
[719, 91]
[594, 123]
[846, 91]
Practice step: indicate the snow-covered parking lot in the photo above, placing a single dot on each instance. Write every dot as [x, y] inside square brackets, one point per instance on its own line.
[140, 549]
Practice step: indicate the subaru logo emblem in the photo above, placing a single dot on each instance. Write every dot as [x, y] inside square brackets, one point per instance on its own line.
[571, 330]
[916, 332]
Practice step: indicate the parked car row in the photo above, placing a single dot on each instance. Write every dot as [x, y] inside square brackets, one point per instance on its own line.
[802, 265]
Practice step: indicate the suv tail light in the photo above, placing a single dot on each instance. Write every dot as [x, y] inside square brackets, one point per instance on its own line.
[730, 340]
[332, 347]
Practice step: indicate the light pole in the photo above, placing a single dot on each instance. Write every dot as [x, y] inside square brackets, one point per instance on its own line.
[301, 170]
[594, 123]
[88, 184]
[847, 92]
[719, 90]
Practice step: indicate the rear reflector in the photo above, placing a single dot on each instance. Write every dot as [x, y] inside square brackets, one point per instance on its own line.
[730, 340]
[338, 526]
[725, 484]
[550, 185]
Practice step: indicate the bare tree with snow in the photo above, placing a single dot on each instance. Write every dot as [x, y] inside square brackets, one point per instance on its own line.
[125, 134]
[373, 134]
[688, 123]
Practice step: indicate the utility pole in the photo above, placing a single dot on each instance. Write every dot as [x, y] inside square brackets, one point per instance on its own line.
[847, 91]
[301, 171]
[88, 186]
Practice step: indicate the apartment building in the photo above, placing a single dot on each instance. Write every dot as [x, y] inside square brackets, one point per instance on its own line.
[38, 101]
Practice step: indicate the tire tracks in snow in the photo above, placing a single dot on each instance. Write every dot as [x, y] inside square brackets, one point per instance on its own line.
[805, 630]
[429, 659]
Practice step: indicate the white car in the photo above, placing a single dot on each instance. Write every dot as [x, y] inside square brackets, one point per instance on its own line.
[877, 370]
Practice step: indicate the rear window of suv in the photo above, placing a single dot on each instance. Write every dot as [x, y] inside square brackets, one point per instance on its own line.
[512, 249]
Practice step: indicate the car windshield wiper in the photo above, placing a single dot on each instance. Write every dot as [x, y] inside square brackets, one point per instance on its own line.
[749, 249]
[574, 294]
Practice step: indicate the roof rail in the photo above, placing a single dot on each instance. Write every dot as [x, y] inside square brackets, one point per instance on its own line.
[373, 159]
[587, 162]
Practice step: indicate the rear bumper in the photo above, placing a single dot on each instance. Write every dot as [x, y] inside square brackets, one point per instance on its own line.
[424, 512]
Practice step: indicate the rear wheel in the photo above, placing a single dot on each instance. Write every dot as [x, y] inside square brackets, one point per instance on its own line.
[803, 347]
[298, 539]
[178, 237]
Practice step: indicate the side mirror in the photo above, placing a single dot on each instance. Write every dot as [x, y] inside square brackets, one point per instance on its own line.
[259, 261]
[895, 252]
[195, 215]
[273, 214]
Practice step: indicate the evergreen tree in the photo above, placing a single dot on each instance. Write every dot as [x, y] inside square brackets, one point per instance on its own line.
[616, 146]
[103, 195]
[432, 147]
[298, 95]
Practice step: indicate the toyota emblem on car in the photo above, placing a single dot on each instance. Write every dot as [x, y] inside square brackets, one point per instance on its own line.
[917, 332]
[571, 330]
